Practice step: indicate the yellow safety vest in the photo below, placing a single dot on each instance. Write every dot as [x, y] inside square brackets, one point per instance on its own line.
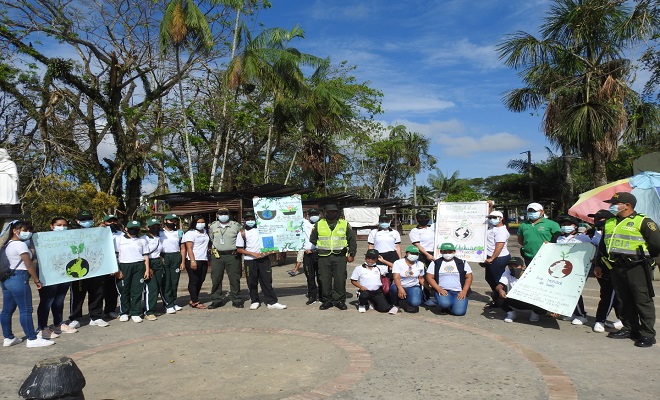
[331, 241]
[625, 237]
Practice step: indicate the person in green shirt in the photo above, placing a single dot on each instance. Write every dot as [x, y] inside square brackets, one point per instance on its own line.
[535, 231]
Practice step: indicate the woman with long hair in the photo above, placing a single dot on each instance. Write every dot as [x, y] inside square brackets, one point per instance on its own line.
[196, 240]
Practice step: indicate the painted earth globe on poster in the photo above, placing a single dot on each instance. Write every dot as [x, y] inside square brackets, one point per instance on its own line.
[465, 226]
[280, 223]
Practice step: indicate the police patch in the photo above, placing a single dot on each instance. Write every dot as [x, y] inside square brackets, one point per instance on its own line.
[630, 224]
[652, 226]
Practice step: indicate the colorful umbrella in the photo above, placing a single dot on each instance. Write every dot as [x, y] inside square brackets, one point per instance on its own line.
[594, 200]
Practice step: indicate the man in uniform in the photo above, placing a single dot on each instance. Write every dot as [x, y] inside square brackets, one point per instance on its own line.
[336, 245]
[535, 231]
[223, 234]
[630, 242]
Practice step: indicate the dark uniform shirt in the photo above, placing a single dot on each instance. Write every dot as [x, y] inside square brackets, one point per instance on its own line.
[350, 237]
[650, 232]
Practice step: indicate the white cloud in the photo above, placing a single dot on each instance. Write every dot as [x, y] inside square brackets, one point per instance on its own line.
[324, 10]
[464, 146]
[458, 52]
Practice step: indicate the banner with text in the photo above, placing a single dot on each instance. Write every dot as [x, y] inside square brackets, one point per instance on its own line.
[555, 278]
[465, 226]
[280, 223]
[71, 255]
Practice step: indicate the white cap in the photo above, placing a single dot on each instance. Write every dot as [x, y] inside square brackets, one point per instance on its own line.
[496, 214]
[535, 207]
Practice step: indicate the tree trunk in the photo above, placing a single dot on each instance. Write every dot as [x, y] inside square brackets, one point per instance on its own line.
[184, 123]
[567, 189]
[414, 178]
[270, 135]
[600, 171]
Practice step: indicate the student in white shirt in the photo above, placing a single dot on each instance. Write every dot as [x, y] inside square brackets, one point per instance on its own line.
[508, 280]
[408, 274]
[497, 252]
[173, 255]
[366, 278]
[196, 241]
[450, 278]
[385, 239]
[154, 285]
[423, 237]
[133, 257]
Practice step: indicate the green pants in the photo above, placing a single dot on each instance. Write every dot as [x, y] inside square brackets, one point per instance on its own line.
[130, 288]
[172, 263]
[332, 275]
[232, 264]
[154, 285]
[637, 309]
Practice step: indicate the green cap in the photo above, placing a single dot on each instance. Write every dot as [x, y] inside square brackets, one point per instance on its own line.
[133, 224]
[109, 217]
[412, 249]
[171, 216]
[331, 207]
[248, 214]
[153, 221]
[447, 247]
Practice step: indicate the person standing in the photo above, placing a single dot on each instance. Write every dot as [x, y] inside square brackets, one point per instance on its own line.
[196, 242]
[154, 285]
[311, 258]
[386, 240]
[423, 237]
[497, 253]
[133, 256]
[223, 233]
[336, 245]
[173, 253]
[257, 264]
[631, 246]
[110, 293]
[535, 231]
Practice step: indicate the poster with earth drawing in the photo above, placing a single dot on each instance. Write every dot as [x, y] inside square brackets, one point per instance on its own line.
[464, 225]
[280, 223]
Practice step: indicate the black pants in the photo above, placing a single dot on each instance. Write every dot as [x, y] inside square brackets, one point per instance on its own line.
[608, 299]
[376, 297]
[390, 256]
[196, 278]
[110, 294]
[92, 287]
[333, 275]
[311, 268]
[494, 272]
[637, 308]
[509, 304]
[259, 273]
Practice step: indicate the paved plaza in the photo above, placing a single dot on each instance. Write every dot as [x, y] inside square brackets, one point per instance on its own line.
[305, 353]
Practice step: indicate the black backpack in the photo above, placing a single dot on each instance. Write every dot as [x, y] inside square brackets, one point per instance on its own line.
[5, 269]
[460, 264]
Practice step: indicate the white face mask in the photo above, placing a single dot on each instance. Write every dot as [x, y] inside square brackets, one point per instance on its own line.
[24, 235]
[412, 257]
[493, 221]
[314, 219]
[200, 226]
[448, 257]
[59, 228]
[223, 218]
[86, 224]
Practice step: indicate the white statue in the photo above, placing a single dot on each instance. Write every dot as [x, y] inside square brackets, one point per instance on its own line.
[8, 179]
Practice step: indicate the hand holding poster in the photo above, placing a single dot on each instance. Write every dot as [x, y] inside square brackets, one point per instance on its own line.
[70, 255]
[280, 223]
[465, 226]
[555, 278]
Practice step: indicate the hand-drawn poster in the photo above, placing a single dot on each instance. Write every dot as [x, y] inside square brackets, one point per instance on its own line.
[555, 278]
[75, 254]
[280, 223]
[465, 226]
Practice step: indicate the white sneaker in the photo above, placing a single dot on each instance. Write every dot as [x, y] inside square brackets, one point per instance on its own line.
[123, 318]
[579, 321]
[47, 333]
[98, 322]
[11, 342]
[137, 319]
[598, 327]
[39, 342]
[170, 310]
[618, 325]
[112, 315]
[510, 316]
[276, 306]
[177, 308]
[254, 306]
[74, 324]
[394, 310]
[64, 328]
[533, 317]
[362, 309]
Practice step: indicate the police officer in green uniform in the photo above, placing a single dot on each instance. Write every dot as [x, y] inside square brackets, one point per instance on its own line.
[223, 234]
[629, 242]
[336, 245]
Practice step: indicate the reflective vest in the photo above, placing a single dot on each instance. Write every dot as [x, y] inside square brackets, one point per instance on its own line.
[331, 241]
[625, 237]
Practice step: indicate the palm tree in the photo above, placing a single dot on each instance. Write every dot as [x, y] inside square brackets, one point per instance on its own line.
[576, 71]
[425, 195]
[184, 25]
[444, 185]
[415, 155]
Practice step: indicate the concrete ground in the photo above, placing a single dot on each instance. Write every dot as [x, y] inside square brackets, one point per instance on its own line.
[305, 353]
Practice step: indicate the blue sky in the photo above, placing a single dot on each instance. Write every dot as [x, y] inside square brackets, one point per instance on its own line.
[435, 62]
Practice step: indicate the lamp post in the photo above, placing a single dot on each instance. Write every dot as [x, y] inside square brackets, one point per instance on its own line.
[529, 174]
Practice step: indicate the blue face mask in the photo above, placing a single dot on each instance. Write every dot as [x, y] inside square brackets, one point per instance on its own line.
[24, 235]
[567, 228]
[59, 228]
[86, 224]
[223, 218]
[200, 226]
[250, 223]
[533, 216]
[314, 219]
[493, 221]
[614, 209]
[384, 225]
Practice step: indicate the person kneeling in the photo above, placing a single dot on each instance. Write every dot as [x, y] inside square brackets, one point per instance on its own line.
[509, 278]
[450, 278]
[366, 278]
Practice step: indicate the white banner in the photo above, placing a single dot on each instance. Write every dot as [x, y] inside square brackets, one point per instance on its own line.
[465, 226]
[280, 223]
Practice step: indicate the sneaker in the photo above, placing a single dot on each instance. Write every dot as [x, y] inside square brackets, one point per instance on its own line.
[136, 319]
[98, 322]
[177, 308]
[11, 342]
[123, 318]
[431, 302]
[362, 309]
[394, 310]
[64, 328]
[74, 324]
[276, 306]
[310, 302]
[618, 325]
[598, 327]
[533, 317]
[39, 342]
[170, 310]
[579, 321]
[47, 333]
[510, 316]
[150, 317]
[112, 315]
[254, 306]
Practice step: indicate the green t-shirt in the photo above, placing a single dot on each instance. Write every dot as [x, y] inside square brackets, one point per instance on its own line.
[534, 235]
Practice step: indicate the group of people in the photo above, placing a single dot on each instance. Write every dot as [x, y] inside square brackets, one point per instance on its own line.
[149, 266]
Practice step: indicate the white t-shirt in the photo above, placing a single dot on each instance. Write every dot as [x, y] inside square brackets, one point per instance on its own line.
[13, 251]
[308, 227]
[579, 238]
[497, 234]
[171, 240]
[253, 239]
[369, 278]
[200, 241]
[448, 277]
[409, 274]
[425, 237]
[507, 279]
[130, 250]
[154, 246]
[384, 240]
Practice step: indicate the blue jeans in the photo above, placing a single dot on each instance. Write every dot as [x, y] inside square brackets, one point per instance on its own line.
[451, 303]
[413, 295]
[16, 293]
[51, 298]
